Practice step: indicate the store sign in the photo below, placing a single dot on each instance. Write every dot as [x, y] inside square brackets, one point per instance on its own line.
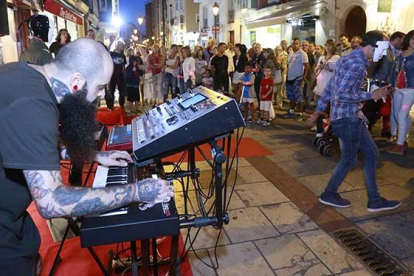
[57, 9]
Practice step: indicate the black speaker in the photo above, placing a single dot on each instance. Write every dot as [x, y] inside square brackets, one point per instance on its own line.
[4, 23]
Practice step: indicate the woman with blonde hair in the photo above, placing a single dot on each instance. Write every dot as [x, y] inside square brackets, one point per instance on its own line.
[281, 58]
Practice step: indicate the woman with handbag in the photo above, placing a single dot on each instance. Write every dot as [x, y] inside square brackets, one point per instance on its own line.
[325, 69]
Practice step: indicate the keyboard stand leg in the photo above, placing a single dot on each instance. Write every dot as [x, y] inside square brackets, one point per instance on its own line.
[75, 228]
[154, 256]
[134, 263]
[145, 256]
[174, 259]
[57, 258]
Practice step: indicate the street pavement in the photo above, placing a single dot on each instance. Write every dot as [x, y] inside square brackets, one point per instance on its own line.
[269, 235]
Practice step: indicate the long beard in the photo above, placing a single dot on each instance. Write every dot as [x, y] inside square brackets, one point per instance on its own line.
[78, 127]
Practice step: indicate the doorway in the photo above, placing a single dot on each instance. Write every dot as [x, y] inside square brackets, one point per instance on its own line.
[356, 22]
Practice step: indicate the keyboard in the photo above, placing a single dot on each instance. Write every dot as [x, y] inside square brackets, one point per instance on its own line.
[133, 222]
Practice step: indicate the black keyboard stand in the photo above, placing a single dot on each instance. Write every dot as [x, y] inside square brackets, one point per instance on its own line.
[73, 225]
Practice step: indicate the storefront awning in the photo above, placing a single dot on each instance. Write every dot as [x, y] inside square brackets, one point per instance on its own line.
[279, 17]
[63, 10]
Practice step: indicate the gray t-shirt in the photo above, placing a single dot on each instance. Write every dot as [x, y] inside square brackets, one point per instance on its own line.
[29, 121]
[296, 62]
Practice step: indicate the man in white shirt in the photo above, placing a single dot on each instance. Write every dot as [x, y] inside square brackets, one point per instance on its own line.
[298, 66]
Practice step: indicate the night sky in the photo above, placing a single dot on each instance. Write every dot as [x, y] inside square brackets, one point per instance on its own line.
[131, 9]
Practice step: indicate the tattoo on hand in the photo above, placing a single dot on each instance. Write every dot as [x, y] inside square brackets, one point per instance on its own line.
[59, 88]
[106, 153]
[148, 190]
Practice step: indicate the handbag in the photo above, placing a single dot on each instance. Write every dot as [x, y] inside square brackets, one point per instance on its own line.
[277, 77]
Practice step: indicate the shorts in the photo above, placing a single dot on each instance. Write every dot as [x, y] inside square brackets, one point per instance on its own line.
[237, 77]
[248, 100]
[294, 91]
[265, 105]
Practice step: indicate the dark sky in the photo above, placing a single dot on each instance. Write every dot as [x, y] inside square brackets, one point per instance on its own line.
[131, 9]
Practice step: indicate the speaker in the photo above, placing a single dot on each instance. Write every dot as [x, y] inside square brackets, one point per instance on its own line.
[4, 23]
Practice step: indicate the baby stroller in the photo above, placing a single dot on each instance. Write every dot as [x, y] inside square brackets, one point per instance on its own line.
[324, 134]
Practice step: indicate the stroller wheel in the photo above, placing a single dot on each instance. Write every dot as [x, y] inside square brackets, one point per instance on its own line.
[316, 141]
[321, 148]
[321, 141]
[327, 150]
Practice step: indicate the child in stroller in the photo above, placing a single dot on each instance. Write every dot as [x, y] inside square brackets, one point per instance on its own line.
[324, 134]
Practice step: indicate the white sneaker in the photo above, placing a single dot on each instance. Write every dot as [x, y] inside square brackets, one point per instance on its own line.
[260, 121]
[266, 123]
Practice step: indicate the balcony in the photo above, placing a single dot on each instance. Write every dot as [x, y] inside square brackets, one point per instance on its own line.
[231, 17]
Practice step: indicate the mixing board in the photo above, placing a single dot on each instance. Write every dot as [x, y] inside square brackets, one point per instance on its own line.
[120, 138]
[185, 121]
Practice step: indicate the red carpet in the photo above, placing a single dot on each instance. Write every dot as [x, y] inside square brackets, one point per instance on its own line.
[77, 260]
[248, 148]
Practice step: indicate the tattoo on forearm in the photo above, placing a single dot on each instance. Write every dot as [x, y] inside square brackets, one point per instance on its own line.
[148, 190]
[54, 199]
[59, 88]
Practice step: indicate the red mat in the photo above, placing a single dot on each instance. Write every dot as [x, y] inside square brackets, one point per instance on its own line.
[248, 148]
[77, 260]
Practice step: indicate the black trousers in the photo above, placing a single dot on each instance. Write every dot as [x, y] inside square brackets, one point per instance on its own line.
[257, 80]
[221, 82]
[116, 81]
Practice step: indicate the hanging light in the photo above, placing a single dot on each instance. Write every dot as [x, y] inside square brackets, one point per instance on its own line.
[140, 20]
[216, 9]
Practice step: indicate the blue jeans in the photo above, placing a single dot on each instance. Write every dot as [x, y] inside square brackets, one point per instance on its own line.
[170, 81]
[353, 136]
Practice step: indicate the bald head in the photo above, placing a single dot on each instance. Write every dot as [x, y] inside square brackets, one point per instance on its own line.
[84, 63]
[84, 56]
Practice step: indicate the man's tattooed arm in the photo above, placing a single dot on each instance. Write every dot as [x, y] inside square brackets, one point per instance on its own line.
[54, 199]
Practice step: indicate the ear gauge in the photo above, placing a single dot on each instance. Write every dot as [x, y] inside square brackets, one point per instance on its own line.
[75, 87]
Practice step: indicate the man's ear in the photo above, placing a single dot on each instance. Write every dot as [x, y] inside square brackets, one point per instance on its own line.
[76, 81]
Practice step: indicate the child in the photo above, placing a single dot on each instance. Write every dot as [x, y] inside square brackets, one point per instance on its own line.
[133, 73]
[266, 94]
[207, 80]
[248, 93]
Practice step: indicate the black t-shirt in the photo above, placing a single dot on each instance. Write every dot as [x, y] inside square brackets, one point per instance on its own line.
[220, 65]
[119, 63]
[28, 141]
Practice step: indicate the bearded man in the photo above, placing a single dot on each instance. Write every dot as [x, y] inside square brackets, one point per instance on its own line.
[33, 101]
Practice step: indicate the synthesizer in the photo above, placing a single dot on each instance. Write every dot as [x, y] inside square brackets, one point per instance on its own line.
[132, 222]
[188, 120]
[120, 138]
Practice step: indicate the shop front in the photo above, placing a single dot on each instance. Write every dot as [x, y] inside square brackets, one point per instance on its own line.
[66, 17]
[268, 36]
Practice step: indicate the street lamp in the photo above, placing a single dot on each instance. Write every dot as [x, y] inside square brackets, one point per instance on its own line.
[135, 31]
[215, 13]
[140, 20]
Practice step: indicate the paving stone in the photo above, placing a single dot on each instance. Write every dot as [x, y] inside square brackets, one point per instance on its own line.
[394, 233]
[281, 155]
[198, 268]
[317, 183]
[359, 199]
[248, 175]
[337, 259]
[288, 218]
[281, 143]
[387, 174]
[259, 194]
[256, 135]
[249, 224]
[241, 258]
[310, 166]
[206, 237]
[288, 255]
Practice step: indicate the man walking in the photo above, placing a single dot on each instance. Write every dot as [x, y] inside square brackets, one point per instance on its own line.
[344, 93]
